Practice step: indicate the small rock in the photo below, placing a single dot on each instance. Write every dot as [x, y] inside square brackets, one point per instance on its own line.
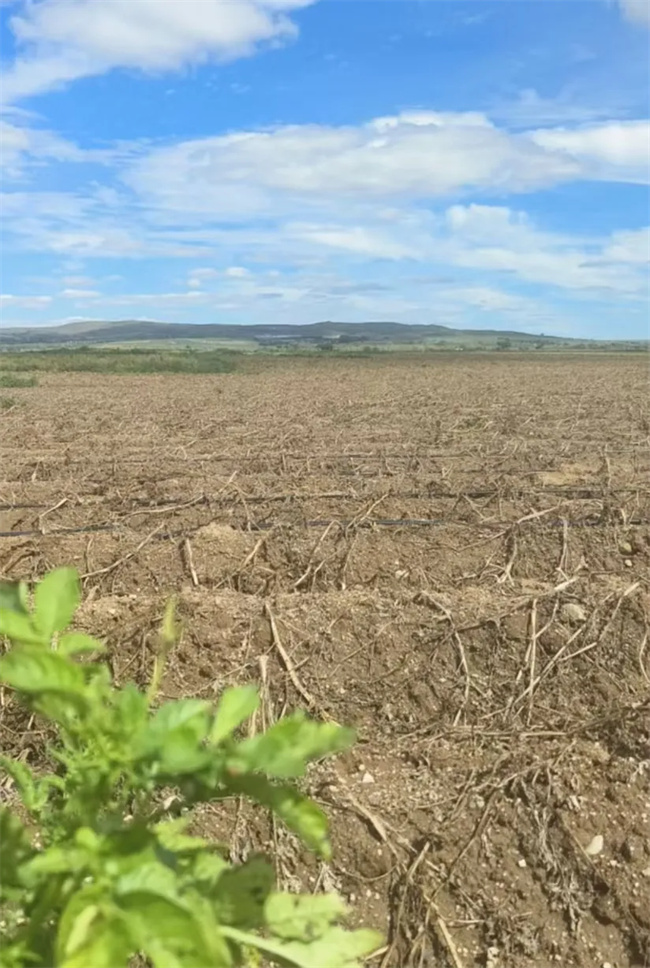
[367, 778]
[492, 957]
[573, 613]
[595, 846]
[625, 547]
[628, 562]
[632, 848]
[521, 863]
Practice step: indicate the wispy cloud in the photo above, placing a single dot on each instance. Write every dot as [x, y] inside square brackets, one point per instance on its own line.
[64, 40]
[638, 11]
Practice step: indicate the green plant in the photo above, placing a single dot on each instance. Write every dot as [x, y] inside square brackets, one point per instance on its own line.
[12, 381]
[8, 403]
[99, 873]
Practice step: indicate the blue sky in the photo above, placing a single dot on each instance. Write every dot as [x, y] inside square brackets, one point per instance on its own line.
[476, 164]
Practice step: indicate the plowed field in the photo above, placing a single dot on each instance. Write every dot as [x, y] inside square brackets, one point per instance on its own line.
[451, 554]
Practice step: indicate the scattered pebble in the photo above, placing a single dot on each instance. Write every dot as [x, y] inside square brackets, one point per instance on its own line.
[573, 613]
[521, 863]
[628, 562]
[631, 848]
[625, 547]
[492, 957]
[367, 778]
[595, 846]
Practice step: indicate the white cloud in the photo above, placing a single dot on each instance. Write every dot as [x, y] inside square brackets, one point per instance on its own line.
[421, 155]
[78, 281]
[631, 247]
[499, 240]
[23, 147]
[616, 151]
[63, 40]
[411, 157]
[80, 294]
[638, 11]
[24, 302]
[530, 110]
[155, 298]
[317, 197]
[356, 239]
[17, 143]
[198, 276]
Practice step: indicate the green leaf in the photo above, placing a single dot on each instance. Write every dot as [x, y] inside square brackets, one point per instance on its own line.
[176, 736]
[297, 811]
[180, 715]
[76, 643]
[174, 931]
[35, 671]
[338, 948]
[206, 871]
[285, 749]
[55, 860]
[14, 597]
[241, 893]
[56, 599]
[16, 849]
[20, 628]
[131, 709]
[234, 707]
[171, 836]
[22, 776]
[172, 936]
[93, 933]
[302, 916]
[33, 791]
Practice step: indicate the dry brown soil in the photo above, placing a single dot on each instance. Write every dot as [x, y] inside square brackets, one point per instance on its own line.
[453, 555]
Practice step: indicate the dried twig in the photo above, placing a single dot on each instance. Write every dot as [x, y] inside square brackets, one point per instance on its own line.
[189, 562]
[641, 656]
[506, 576]
[49, 511]
[286, 660]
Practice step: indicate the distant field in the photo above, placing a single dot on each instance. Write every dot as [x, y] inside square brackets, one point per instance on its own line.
[225, 356]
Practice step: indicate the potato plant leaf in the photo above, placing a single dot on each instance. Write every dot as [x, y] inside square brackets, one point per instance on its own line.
[14, 597]
[76, 643]
[56, 598]
[285, 749]
[234, 708]
[337, 948]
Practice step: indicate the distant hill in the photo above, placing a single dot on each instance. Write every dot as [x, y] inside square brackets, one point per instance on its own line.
[131, 330]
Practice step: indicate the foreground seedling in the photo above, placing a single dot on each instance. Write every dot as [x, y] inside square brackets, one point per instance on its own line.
[92, 870]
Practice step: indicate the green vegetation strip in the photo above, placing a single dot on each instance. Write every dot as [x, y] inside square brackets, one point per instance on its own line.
[14, 381]
[134, 360]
